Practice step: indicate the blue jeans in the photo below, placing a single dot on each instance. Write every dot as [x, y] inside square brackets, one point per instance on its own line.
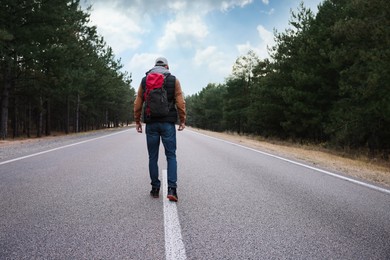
[167, 132]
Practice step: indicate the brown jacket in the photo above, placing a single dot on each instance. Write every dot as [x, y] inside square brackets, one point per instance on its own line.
[179, 98]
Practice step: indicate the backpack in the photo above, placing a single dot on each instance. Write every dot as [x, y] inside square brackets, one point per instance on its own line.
[155, 95]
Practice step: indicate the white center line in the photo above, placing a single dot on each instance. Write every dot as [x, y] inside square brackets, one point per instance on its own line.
[174, 247]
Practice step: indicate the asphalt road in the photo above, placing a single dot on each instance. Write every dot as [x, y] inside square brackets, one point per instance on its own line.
[91, 201]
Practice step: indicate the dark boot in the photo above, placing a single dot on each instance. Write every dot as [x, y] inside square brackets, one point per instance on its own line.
[172, 194]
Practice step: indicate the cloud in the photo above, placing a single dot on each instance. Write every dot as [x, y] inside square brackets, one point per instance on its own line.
[153, 7]
[199, 50]
[266, 40]
[215, 60]
[188, 27]
[202, 56]
[244, 48]
[266, 36]
[143, 61]
[227, 5]
[122, 22]
[118, 29]
[183, 32]
[177, 6]
[270, 12]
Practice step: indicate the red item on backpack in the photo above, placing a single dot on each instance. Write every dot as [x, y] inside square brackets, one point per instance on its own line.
[155, 95]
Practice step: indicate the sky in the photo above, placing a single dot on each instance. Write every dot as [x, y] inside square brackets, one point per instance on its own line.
[201, 39]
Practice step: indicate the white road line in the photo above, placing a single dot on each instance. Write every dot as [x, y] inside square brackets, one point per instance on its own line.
[59, 148]
[302, 165]
[174, 247]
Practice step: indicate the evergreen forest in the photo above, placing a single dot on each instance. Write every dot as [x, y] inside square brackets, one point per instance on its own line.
[56, 72]
[327, 81]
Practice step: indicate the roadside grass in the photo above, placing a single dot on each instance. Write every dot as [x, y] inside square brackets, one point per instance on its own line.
[351, 163]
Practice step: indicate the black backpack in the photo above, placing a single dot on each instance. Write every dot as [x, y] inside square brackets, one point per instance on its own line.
[155, 95]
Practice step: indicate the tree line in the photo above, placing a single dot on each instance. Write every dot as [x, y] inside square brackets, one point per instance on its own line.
[56, 72]
[327, 81]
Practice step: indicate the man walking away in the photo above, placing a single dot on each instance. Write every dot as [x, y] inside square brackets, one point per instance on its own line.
[160, 121]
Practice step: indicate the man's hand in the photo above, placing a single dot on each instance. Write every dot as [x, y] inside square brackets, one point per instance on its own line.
[138, 127]
[182, 126]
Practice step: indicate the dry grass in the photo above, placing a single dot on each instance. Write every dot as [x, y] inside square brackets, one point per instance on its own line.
[356, 166]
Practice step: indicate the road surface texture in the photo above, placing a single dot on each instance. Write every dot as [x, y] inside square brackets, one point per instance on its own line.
[88, 198]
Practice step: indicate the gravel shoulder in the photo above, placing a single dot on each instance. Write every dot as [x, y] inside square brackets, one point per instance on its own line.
[360, 168]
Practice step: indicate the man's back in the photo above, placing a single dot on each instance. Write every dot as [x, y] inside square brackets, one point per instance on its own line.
[162, 127]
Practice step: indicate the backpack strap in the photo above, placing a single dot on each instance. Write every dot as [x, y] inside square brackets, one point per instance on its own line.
[143, 84]
[166, 75]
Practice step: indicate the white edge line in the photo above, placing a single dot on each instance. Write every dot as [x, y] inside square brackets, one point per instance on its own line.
[302, 165]
[174, 246]
[61, 147]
